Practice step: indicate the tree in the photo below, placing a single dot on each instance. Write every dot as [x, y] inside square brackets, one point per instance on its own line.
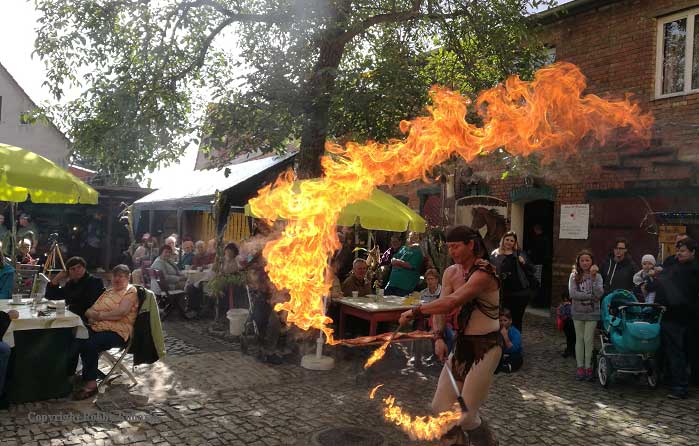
[308, 70]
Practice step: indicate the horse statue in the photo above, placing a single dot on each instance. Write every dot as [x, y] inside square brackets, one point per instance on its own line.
[493, 222]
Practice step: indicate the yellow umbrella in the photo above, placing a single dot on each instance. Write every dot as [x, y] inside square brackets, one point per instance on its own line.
[24, 173]
[381, 212]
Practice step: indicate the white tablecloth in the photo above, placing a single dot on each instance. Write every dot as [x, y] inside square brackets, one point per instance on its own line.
[30, 320]
[194, 277]
[374, 304]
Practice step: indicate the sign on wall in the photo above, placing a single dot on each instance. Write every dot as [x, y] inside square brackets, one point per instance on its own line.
[575, 219]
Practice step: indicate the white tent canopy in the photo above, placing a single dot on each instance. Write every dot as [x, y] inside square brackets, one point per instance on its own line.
[196, 190]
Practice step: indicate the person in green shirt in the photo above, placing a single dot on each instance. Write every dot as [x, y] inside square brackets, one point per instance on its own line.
[405, 268]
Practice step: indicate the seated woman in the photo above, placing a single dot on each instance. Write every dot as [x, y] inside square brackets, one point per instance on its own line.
[23, 256]
[187, 255]
[166, 264]
[110, 322]
[201, 258]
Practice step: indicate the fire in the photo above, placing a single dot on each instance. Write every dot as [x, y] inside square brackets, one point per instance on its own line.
[420, 428]
[377, 354]
[372, 394]
[417, 428]
[548, 115]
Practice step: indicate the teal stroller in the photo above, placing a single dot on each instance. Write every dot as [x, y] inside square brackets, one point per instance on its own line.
[630, 338]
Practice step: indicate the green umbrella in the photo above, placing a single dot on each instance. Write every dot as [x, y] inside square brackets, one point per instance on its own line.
[381, 212]
[24, 173]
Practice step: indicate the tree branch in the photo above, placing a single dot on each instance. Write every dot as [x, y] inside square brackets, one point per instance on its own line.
[237, 16]
[198, 62]
[397, 17]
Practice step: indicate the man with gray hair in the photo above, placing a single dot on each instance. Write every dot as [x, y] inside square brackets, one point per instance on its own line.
[357, 280]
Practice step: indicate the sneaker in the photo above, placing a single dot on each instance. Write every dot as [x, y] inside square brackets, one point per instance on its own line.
[678, 395]
[580, 374]
[589, 375]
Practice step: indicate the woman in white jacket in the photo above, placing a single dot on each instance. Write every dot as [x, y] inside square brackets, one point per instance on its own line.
[586, 288]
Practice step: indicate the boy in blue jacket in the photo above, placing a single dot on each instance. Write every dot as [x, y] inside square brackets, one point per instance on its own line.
[512, 359]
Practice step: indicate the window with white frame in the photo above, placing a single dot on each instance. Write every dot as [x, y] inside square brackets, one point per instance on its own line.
[677, 60]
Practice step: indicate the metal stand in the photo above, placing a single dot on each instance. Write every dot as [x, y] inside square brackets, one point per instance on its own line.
[317, 361]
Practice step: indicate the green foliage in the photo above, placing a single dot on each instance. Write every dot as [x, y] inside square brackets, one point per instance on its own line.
[269, 71]
[217, 286]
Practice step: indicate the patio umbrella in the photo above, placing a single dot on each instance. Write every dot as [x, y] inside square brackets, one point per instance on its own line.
[24, 173]
[381, 212]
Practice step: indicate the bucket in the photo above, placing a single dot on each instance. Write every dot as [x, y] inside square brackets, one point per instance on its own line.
[237, 318]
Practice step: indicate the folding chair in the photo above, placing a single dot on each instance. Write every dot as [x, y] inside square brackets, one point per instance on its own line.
[117, 362]
[168, 299]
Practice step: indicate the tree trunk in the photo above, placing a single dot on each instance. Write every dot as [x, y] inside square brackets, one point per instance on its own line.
[318, 91]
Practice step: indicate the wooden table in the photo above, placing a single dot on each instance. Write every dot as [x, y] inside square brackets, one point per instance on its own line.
[373, 310]
[41, 351]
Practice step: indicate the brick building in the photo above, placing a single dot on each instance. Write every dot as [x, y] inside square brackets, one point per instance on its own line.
[649, 48]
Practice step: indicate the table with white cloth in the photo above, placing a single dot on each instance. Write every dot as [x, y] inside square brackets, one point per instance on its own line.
[41, 341]
[371, 309]
[195, 277]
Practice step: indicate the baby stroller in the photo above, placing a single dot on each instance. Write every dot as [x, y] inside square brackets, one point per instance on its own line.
[630, 338]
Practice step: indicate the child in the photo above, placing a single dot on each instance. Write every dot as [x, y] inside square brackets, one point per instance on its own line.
[585, 288]
[565, 324]
[511, 360]
[644, 278]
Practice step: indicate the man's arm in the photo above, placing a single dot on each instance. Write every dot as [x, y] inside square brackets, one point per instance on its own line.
[439, 321]
[479, 283]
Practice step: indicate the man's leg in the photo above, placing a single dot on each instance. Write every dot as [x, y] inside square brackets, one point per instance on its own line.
[5, 352]
[443, 400]
[475, 392]
[673, 339]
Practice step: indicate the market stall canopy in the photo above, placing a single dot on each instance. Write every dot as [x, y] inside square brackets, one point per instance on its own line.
[197, 189]
[24, 173]
[380, 212]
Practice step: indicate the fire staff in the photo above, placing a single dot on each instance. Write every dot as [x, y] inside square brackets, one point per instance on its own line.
[470, 286]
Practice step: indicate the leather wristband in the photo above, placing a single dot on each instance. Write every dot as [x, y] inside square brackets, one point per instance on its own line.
[417, 312]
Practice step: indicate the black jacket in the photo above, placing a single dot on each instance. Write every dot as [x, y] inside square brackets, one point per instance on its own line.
[80, 295]
[4, 323]
[677, 288]
[618, 276]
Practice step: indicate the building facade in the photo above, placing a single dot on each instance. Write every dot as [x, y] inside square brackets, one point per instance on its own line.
[41, 138]
[649, 48]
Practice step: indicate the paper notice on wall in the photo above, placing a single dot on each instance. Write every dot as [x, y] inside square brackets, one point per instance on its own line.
[575, 220]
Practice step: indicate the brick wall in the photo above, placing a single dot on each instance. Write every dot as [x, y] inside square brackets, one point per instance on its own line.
[615, 46]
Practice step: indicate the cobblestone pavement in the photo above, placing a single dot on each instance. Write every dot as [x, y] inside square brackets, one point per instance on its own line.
[207, 392]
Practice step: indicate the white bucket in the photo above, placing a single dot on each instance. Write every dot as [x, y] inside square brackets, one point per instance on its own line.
[237, 318]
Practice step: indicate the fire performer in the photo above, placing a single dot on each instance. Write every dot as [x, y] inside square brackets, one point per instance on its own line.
[471, 286]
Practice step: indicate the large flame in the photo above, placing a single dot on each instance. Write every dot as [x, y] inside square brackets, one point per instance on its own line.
[420, 428]
[377, 354]
[417, 428]
[548, 115]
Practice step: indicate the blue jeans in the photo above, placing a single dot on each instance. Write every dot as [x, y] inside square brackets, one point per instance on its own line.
[393, 291]
[5, 351]
[90, 349]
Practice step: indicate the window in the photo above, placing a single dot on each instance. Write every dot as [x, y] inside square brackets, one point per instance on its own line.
[677, 60]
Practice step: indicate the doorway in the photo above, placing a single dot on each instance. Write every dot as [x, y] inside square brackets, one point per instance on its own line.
[537, 242]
